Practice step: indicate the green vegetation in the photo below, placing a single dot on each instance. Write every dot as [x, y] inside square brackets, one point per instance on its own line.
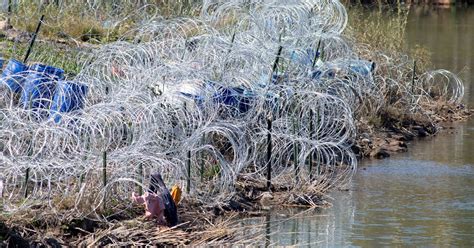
[384, 30]
[95, 21]
[61, 56]
[104, 22]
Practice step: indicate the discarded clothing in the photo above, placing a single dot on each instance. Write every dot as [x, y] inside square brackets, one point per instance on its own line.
[176, 194]
[154, 205]
[158, 187]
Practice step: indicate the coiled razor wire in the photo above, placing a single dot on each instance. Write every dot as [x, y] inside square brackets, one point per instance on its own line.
[191, 97]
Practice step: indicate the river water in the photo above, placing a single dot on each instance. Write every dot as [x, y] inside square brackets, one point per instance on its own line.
[424, 197]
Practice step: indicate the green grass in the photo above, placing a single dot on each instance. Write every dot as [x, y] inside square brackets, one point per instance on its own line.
[104, 22]
[57, 55]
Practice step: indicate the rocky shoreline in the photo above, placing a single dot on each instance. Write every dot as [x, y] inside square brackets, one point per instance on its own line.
[396, 131]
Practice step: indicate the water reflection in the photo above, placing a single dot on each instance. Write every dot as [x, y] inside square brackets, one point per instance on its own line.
[310, 227]
[449, 35]
[421, 198]
[400, 201]
[453, 146]
[407, 201]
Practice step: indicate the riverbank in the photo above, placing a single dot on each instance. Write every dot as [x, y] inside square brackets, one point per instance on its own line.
[215, 224]
[442, 3]
[203, 216]
[200, 223]
[397, 129]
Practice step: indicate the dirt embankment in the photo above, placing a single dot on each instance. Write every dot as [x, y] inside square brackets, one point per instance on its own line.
[396, 129]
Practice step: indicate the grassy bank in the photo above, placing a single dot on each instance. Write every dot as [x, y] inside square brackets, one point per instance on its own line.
[94, 21]
[46, 52]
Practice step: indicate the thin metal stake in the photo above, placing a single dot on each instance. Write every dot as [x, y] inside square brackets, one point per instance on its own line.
[140, 175]
[317, 154]
[27, 175]
[202, 159]
[104, 176]
[269, 153]
[275, 64]
[413, 77]
[316, 56]
[27, 172]
[311, 134]
[188, 162]
[32, 42]
[295, 150]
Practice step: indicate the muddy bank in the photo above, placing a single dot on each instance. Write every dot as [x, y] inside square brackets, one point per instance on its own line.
[397, 129]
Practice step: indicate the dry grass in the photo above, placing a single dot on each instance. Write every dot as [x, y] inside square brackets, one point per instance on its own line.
[230, 228]
[59, 23]
[100, 23]
[201, 223]
[384, 29]
[138, 233]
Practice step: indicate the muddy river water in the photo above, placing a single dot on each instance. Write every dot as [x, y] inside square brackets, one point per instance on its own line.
[424, 197]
